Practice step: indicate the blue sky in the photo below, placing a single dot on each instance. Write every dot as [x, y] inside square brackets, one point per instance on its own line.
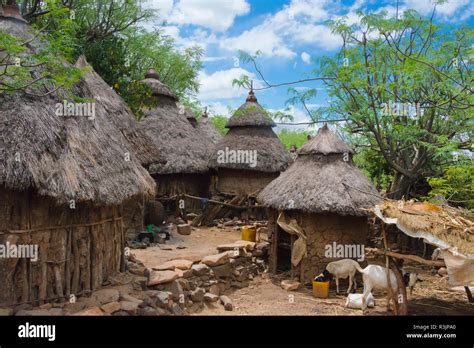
[289, 33]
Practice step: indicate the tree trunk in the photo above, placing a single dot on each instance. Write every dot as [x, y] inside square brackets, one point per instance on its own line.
[400, 186]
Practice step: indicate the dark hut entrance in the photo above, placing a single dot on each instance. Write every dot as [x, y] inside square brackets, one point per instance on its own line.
[283, 252]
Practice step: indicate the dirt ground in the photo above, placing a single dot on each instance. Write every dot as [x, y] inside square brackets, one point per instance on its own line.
[201, 242]
[264, 296]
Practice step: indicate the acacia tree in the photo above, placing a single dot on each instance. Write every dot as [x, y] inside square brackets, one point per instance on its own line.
[403, 88]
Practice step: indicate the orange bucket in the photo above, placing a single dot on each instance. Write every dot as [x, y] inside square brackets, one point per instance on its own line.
[321, 289]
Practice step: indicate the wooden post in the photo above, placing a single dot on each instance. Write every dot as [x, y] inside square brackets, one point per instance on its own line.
[469, 294]
[387, 267]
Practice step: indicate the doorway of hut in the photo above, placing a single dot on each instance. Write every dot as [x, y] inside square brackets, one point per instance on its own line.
[283, 252]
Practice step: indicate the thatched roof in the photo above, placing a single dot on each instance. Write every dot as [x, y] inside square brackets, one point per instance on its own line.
[67, 158]
[451, 226]
[158, 88]
[250, 129]
[321, 183]
[250, 114]
[208, 129]
[120, 114]
[180, 144]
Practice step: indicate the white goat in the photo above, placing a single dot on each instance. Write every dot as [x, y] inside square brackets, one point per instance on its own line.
[342, 269]
[375, 277]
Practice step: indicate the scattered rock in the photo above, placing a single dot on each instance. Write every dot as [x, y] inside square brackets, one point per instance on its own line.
[32, 312]
[6, 312]
[171, 265]
[161, 277]
[198, 295]
[227, 303]
[215, 289]
[126, 297]
[129, 307]
[162, 299]
[208, 297]
[176, 309]
[46, 306]
[94, 311]
[216, 260]
[106, 295]
[290, 285]
[72, 308]
[56, 312]
[149, 311]
[184, 229]
[442, 271]
[200, 269]
[111, 307]
[222, 271]
[175, 289]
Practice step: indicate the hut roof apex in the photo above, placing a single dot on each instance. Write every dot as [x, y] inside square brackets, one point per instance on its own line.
[325, 143]
[250, 114]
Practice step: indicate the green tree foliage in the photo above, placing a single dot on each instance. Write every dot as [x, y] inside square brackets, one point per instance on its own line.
[405, 87]
[293, 137]
[219, 122]
[41, 72]
[456, 185]
[402, 86]
[111, 35]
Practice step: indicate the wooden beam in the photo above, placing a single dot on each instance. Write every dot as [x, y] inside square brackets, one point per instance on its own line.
[415, 258]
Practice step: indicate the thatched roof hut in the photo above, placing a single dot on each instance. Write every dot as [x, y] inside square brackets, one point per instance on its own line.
[324, 193]
[63, 180]
[175, 131]
[323, 179]
[250, 155]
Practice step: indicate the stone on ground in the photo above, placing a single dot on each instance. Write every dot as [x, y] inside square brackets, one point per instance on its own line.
[162, 277]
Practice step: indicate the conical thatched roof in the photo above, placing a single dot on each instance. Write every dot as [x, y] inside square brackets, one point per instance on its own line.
[250, 114]
[158, 88]
[323, 179]
[208, 129]
[179, 142]
[250, 128]
[120, 114]
[68, 158]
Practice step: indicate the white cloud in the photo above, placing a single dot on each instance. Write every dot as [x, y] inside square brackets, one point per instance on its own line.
[217, 108]
[299, 22]
[305, 57]
[260, 38]
[444, 10]
[218, 85]
[215, 15]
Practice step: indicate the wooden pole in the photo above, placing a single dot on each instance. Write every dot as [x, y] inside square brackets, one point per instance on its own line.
[469, 294]
[438, 263]
[387, 267]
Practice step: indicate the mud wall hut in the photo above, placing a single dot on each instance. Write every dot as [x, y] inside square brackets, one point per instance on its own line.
[177, 134]
[316, 205]
[250, 155]
[118, 112]
[63, 180]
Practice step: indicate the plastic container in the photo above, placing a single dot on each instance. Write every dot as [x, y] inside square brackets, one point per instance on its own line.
[321, 289]
[249, 233]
